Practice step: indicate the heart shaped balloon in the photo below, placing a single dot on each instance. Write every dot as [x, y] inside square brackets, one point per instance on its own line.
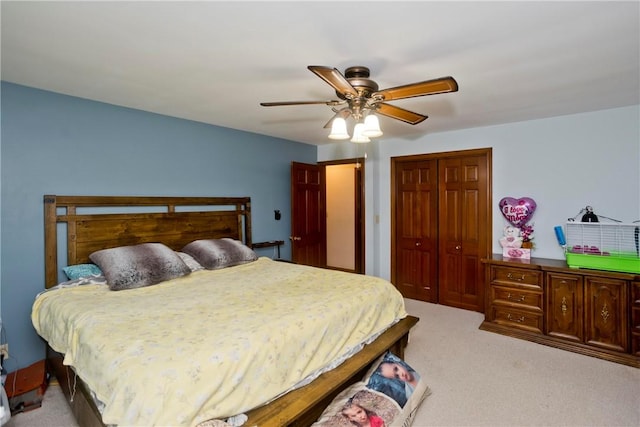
[517, 211]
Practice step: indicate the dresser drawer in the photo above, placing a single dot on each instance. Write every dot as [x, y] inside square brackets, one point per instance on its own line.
[519, 319]
[516, 276]
[517, 296]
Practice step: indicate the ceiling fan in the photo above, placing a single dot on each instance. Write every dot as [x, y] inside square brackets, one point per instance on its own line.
[359, 98]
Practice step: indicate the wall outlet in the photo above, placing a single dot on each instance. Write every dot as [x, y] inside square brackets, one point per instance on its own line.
[4, 350]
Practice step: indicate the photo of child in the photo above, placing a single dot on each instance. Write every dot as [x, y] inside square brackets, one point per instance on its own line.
[395, 378]
[360, 408]
[360, 416]
[388, 395]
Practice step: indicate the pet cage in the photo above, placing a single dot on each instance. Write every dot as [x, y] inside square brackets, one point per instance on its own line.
[603, 246]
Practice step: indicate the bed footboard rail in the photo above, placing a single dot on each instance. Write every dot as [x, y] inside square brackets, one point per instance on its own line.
[302, 407]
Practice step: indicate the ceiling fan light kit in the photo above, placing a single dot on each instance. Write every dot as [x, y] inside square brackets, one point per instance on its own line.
[358, 134]
[339, 129]
[361, 131]
[371, 126]
[362, 100]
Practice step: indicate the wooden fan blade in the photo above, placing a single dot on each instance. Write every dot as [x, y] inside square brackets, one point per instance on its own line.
[344, 113]
[429, 87]
[335, 79]
[279, 104]
[400, 113]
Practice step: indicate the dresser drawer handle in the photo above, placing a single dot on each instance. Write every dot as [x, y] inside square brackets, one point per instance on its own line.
[515, 297]
[515, 319]
[512, 277]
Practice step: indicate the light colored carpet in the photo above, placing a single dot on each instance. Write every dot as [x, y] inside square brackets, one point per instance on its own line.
[54, 411]
[479, 378]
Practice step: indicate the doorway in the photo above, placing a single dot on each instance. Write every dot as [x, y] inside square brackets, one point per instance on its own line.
[441, 226]
[328, 214]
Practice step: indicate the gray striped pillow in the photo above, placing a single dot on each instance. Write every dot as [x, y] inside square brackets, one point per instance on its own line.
[214, 254]
[129, 267]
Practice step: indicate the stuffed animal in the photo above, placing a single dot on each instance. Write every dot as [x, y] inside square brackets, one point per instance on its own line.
[511, 238]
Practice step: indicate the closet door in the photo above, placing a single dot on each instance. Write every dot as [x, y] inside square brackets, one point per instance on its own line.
[463, 214]
[441, 226]
[416, 234]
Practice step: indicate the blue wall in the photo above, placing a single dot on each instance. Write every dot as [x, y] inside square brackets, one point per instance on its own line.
[56, 144]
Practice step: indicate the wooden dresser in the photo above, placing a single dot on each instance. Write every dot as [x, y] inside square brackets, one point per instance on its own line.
[592, 312]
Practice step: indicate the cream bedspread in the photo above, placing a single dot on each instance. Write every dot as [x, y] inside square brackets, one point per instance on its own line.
[214, 343]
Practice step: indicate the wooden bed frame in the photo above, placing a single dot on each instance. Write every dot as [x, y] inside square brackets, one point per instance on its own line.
[100, 222]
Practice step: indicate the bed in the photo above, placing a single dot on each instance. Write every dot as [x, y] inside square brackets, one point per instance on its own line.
[111, 379]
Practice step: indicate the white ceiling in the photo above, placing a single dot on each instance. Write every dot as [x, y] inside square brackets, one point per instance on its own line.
[214, 62]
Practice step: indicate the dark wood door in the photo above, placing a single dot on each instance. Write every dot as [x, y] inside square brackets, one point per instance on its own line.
[441, 226]
[416, 234]
[463, 209]
[564, 306]
[308, 215]
[605, 313]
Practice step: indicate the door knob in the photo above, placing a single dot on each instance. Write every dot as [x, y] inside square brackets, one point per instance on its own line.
[458, 247]
[292, 238]
[418, 244]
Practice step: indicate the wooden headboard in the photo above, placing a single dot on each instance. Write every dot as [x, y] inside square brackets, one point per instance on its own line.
[101, 222]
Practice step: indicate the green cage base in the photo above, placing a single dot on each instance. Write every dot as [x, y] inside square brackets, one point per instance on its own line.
[625, 263]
